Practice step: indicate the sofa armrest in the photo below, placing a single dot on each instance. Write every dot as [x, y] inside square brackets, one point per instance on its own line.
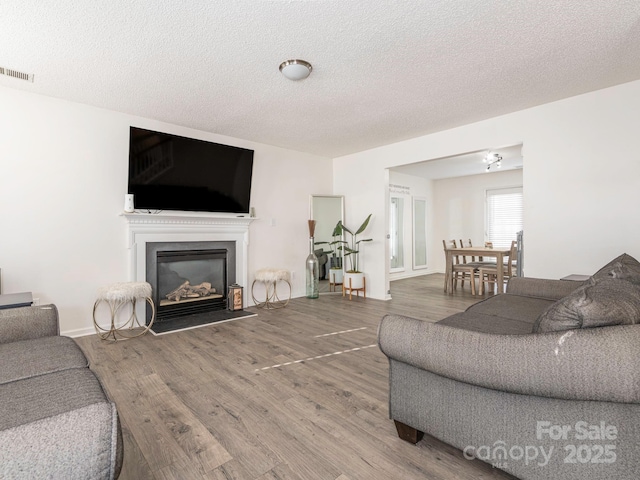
[25, 323]
[542, 287]
[84, 442]
[597, 364]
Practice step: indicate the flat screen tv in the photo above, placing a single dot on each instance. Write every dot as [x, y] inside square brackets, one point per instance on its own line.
[169, 172]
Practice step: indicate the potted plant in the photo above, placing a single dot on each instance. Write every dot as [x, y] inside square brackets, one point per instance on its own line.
[353, 277]
[335, 271]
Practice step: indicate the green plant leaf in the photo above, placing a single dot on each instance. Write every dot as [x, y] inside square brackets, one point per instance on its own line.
[365, 240]
[364, 225]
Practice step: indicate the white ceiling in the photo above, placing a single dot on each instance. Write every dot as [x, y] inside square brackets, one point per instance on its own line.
[384, 71]
[465, 164]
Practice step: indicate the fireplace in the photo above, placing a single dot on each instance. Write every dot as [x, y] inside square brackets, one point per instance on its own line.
[181, 231]
[189, 278]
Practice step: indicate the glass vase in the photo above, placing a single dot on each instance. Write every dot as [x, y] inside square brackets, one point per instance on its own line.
[313, 272]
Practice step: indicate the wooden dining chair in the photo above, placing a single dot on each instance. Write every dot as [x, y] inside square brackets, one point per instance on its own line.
[479, 262]
[476, 263]
[464, 257]
[490, 261]
[489, 273]
[448, 244]
[459, 269]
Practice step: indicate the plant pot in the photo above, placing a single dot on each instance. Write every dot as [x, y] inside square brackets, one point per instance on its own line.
[356, 279]
[335, 275]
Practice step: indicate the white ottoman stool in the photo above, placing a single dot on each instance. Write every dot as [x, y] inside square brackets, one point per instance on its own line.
[116, 296]
[270, 277]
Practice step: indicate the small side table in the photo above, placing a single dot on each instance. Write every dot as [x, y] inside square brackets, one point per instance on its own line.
[116, 296]
[15, 300]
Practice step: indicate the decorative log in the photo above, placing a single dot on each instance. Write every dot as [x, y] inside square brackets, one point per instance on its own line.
[176, 294]
[186, 290]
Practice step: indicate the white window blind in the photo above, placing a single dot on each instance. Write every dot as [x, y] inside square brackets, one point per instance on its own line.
[504, 215]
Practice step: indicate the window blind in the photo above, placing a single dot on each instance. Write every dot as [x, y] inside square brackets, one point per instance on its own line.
[504, 215]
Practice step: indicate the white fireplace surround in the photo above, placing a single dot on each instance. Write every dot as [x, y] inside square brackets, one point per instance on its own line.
[186, 227]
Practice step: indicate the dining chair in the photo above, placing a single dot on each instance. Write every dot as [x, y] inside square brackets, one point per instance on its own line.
[489, 273]
[481, 260]
[464, 257]
[477, 264]
[459, 269]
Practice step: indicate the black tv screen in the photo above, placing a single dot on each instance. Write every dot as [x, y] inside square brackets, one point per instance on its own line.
[169, 172]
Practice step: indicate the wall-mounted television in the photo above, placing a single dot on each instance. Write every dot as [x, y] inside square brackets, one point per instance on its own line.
[170, 172]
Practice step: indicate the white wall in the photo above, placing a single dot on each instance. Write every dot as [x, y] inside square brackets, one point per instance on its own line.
[62, 187]
[581, 180]
[412, 187]
[64, 171]
[459, 205]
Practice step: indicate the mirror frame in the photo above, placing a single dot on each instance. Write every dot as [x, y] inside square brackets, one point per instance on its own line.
[400, 233]
[416, 243]
[311, 214]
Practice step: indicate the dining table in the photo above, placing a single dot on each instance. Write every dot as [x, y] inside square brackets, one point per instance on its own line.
[499, 253]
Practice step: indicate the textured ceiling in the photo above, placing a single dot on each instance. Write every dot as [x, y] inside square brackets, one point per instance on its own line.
[384, 71]
[466, 164]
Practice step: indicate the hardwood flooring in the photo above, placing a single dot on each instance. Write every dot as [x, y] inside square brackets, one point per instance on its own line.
[295, 393]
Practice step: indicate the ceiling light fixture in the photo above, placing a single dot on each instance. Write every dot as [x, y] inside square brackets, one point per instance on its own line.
[296, 69]
[492, 159]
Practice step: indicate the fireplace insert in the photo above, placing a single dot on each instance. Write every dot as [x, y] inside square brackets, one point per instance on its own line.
[189, 278]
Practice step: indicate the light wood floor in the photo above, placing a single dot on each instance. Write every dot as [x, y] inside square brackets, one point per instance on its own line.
[295, 393]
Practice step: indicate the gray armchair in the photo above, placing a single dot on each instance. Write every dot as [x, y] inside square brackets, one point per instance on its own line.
[56, 420]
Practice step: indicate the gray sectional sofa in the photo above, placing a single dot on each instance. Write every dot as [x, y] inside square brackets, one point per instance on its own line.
[55, 420]
[542, 382]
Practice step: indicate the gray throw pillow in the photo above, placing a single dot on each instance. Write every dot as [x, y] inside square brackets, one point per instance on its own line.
[600, 303]
[624, 267]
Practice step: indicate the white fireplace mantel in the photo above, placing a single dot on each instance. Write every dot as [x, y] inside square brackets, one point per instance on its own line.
[186, 227]
[186, 218]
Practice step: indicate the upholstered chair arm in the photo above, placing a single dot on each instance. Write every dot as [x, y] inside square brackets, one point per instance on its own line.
[542, 287]
[25, 323]
[599, 364]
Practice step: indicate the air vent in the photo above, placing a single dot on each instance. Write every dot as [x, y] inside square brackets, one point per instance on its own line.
[16, 74]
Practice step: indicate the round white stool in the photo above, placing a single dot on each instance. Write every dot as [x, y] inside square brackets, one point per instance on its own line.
[116, 296]
[270, 277]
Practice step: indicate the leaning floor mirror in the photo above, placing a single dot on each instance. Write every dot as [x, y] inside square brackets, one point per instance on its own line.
[327, 211]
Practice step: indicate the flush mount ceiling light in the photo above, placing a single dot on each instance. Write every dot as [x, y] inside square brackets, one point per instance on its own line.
[492, 159]
[296, 69]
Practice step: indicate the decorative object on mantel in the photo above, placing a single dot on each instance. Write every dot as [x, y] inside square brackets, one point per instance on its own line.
[128, 203]
[117, 295]
[312, 266]
[354, 280]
